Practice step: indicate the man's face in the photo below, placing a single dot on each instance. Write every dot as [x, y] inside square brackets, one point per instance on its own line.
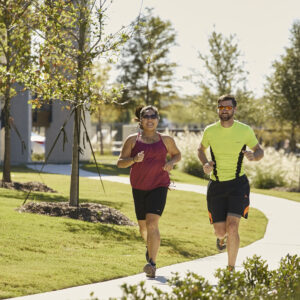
[226, 110]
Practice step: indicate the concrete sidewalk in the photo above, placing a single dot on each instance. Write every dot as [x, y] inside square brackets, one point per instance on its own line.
[282, 237]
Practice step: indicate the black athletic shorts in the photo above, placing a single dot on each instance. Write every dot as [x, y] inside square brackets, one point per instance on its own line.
[152, 202]
[228, 198]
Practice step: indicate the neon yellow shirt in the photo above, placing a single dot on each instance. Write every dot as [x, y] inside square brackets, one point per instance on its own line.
[226, 145]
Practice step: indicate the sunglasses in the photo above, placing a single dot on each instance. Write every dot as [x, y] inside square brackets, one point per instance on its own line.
[227, 107]
[148, 117]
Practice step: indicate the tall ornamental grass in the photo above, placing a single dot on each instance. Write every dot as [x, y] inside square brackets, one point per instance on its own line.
[276, 169]
[188, 143]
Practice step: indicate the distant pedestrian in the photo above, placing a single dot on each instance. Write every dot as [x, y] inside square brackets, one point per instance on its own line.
[228, 189]
[146, 153]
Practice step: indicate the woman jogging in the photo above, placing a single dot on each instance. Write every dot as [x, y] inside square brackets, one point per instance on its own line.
[146, 153]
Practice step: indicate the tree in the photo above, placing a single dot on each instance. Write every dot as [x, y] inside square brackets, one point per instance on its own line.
[225, 70]
[73, 37]
[224, 73]
[110, 108]
[145, 69]
[283, 86]
[15, 57]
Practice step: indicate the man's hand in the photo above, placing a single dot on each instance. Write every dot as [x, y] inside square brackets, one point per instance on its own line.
[249, 154]
[208, 167]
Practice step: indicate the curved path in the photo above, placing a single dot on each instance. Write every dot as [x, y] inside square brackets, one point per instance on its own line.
[281, 237]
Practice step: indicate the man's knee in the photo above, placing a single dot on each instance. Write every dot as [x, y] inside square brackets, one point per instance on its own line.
[220, 229]
[232, 228]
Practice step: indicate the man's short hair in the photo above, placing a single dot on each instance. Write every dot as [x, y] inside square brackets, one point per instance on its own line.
[227, 97]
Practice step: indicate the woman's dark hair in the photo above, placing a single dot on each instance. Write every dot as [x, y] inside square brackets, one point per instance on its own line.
[141, 110]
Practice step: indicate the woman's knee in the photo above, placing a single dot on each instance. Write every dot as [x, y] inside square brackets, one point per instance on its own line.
[152, 226]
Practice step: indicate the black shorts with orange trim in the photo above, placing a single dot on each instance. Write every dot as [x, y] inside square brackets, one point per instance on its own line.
[228, 198]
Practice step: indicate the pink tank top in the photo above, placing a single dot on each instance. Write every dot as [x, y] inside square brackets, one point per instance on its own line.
[149, 174]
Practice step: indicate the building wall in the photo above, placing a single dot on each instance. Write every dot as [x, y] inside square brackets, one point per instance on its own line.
[21, 113]
[62, 154]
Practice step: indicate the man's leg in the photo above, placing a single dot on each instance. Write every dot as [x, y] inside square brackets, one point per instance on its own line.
[233, 239]
[153, 235]
[220, 230]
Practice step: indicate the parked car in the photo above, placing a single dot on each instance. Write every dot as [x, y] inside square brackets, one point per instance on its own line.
[37, 143]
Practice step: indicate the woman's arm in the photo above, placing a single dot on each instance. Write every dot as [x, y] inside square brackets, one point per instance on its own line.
[125, 160]
[173, 152]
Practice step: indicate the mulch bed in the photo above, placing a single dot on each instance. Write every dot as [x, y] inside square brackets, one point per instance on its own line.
[90, 212]
[27, 186]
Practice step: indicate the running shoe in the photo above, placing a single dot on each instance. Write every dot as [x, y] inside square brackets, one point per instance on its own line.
[221, 244]
[150, 270]
[231, 268]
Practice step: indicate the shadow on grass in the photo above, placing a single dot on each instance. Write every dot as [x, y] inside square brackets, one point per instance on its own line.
[174, 244]
[107, 169]
[20, 169]
[117, 232]
[34, 196]
[49, 197]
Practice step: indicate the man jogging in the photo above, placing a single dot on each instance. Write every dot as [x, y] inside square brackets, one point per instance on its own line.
[228, 189]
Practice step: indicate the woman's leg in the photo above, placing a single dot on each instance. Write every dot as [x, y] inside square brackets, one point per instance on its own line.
[153, 235]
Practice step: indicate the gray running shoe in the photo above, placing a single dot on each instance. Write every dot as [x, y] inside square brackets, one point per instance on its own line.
[221, 244]
[150, 270]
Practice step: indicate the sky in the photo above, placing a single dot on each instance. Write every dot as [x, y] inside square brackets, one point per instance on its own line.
[262, 29]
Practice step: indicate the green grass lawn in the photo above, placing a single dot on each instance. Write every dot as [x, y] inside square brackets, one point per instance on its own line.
[41, 253]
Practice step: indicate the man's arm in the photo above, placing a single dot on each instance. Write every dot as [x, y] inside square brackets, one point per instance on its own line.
[256, 154]
[207, 165]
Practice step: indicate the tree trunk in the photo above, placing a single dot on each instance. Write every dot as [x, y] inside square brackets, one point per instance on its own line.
[293, 138]
[74, 185]
[6, 163]
[147, 85]
[101, 134]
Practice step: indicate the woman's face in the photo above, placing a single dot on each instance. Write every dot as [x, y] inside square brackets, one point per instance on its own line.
[149, 120]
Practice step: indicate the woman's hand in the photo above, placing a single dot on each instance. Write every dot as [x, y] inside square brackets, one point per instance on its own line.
[168, 166]
[139, 157]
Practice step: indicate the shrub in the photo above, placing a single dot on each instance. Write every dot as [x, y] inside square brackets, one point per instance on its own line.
[267, 180]
[255, 282]
[37, 157]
